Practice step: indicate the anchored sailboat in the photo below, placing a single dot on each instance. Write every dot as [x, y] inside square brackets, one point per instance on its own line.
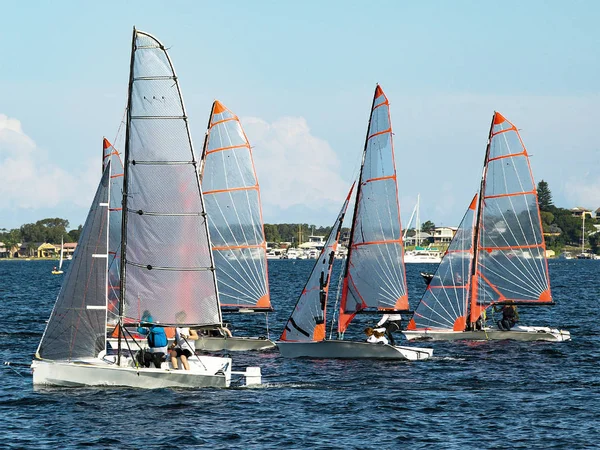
[166, 260]
[497, 257]
[374, 276]
[58, 270]
[232, 196]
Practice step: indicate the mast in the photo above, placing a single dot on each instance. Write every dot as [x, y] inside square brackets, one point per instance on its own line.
[125, 192]
[474, 285]
[359, 189]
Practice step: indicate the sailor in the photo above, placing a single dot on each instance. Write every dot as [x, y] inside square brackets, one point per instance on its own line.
[185, 346]
[375, 336]
[391, 323]
[510, 317]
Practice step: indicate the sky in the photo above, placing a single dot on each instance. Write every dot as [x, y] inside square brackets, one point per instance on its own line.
[301, 75]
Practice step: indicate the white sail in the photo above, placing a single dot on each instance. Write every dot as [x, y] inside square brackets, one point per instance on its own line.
[167, 268]
[77, 325]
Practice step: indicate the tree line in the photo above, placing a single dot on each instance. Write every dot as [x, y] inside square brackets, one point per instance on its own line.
[561, 228]
[50, 230]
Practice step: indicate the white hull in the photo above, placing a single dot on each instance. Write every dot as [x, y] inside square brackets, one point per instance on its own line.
[233, 344]
[210, 344]
[517, 333]
[350, 350]
[206, 371]
[414, 259]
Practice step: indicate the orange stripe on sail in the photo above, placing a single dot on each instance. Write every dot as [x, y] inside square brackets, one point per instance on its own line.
[238, 247]
[394, 241]
[388, 177]
[512, 155]
[229, 119]
[389, 130]
[512, 128]
[473, 204]
[106, 144]
[119, 175]
[208, 152]
[512, 194]
[218, 191]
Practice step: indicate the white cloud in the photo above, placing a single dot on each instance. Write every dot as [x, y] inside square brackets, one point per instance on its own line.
[295, 168]
[32, 180]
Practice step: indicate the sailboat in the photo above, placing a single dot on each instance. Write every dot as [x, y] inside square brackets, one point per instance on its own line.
[166, 260]
[58, 271]
[374, 276]
[232, 196]
[497, 257]
[420, 254]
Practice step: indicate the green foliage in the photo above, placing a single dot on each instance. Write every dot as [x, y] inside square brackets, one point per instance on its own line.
[74, 234]
[10, 238]
[428, 227]
[46, 230]
[544, 196]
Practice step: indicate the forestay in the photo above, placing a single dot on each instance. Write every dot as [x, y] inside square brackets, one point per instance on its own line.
[375, 274]
[511, 254]
[308, 319]
[111, 155]
[232, 197]
[167, 263]
[444, 304]
[77, 325]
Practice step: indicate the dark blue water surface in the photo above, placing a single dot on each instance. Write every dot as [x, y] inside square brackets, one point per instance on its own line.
[470, 395]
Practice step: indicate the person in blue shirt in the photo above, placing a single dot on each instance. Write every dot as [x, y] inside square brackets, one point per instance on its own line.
[157, 342]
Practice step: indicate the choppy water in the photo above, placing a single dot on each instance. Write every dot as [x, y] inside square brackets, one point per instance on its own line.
[470, 395]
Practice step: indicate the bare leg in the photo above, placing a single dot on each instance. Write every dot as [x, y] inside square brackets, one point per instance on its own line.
[184, 361]
[174, 359]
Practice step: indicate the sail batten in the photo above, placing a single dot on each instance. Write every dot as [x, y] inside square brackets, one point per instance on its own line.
[233, 204]
[375, 275]
[168, 269]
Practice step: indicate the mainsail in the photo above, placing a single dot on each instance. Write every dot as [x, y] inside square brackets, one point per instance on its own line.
[111, 156]
[232, 197]
[77, 325]
[167, 269]
[444, 304]
[511, 264]
[308, 319]
[375, 274]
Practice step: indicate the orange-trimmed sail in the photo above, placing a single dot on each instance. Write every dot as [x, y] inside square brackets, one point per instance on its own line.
[308, 319]
[375, 274]
[511, 264]
[232, 197]
[444, 305]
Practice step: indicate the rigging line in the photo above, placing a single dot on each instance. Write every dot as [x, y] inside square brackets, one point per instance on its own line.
[520, 285]
[539, 275]
[253, 284]
[337, 298]
[244, 266]
[252, 295]
[259, 274]
[444, 323]
[399, 279]
[448, 316]
[501, 213]
[512, 262]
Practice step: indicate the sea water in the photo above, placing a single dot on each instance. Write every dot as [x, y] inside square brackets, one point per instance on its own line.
[501, 394]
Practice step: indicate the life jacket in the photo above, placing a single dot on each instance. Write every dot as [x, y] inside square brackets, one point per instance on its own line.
[157, 337]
